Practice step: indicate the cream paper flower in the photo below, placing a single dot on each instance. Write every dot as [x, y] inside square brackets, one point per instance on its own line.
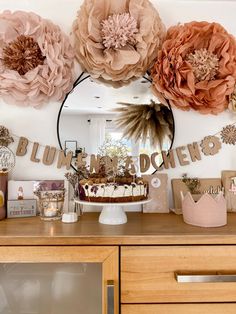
[117, 41]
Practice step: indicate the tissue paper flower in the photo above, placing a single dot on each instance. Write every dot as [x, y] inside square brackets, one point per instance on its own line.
[36, 60]
[116, 41]
[196, 67]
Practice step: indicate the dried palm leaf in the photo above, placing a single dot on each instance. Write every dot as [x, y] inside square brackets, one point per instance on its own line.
[145, 121]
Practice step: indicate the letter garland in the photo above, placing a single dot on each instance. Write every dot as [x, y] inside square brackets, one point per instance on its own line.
[208, 146]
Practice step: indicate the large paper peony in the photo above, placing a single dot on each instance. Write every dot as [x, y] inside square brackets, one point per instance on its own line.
[196, 67]
[36, 59]
[117, 40]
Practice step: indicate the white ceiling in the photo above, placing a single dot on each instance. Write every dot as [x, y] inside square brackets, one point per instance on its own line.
[91, 97]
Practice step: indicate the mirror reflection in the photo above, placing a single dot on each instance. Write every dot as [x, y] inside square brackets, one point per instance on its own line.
[93, 120]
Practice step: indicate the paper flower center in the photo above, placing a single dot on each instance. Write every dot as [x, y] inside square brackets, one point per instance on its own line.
[205, 64]
[22, 55]
[119, 30]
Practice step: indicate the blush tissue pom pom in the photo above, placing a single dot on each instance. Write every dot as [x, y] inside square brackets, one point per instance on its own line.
[119, 30]
[36, 60]
[116, 41]
[196, 68]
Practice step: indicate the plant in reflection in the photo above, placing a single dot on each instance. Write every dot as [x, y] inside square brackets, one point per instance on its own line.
[113, 161]
[114, 148]
[146, 122]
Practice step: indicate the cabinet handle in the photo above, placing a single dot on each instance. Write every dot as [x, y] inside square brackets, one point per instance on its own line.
[110, 297]
[195, 278]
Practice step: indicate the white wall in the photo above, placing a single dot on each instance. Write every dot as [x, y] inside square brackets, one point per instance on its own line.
[75, 128]
[40, 124]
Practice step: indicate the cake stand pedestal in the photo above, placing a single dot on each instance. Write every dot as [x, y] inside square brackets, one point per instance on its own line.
[112, 213]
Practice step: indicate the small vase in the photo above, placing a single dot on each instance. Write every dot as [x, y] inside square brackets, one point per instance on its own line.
[3, 195]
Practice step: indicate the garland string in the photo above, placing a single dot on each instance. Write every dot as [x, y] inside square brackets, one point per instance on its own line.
[41, 145]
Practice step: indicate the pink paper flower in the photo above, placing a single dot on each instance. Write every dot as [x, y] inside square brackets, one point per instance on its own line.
[36, 60]
[196, 67]
[116, 41]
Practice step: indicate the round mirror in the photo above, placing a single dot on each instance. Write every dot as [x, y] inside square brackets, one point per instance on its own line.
[99, 119]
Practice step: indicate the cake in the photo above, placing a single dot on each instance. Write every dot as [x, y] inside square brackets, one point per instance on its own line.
[127, 188]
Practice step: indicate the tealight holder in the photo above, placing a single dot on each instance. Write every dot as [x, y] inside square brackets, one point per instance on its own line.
[51, 204]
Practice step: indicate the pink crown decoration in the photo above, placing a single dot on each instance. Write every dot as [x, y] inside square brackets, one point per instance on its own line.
[208, 211]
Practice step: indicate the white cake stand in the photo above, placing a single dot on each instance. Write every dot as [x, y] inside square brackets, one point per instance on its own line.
[112, 213]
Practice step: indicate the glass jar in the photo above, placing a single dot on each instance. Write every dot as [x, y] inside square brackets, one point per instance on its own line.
[51, 204]
[3, 194]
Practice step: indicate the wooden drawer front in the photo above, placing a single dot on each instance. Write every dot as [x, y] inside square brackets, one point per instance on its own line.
[179, 309]
[148, 274]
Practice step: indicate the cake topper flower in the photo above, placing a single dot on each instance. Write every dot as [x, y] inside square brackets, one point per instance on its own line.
[117, 41]
[196, 67]
[36, 59]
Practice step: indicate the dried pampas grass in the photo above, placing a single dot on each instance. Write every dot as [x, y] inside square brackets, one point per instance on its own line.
[146, 121]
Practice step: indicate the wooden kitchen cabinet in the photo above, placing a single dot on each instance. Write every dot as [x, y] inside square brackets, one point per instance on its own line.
[179, 309]
[150, 274]
[139, 265]
[55, 279]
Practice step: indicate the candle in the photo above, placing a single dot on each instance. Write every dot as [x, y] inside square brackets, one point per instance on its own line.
[50, 212]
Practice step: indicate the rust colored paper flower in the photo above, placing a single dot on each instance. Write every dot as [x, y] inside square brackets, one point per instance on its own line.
[36, 60]
[116, 41]
[196, 67]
